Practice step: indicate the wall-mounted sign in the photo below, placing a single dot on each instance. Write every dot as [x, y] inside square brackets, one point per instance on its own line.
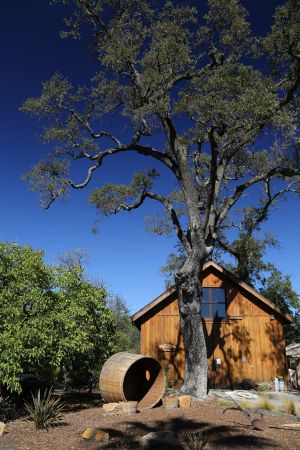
[167, 347]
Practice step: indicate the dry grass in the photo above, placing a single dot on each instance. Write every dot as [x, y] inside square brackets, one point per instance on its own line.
[245, 404]
[225, 402]
[289, 407]
[125, 443]
[264, 403]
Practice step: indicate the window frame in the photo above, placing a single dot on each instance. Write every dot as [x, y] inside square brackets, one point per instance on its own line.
[211, 303]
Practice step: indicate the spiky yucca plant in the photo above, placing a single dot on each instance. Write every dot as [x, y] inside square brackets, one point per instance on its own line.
[45, 410]
[194, 441]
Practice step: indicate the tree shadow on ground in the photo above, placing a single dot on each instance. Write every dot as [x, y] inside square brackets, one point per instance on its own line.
[73, 402]
[218, 436]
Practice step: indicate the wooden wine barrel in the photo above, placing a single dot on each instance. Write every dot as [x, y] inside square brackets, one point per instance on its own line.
[130, 377]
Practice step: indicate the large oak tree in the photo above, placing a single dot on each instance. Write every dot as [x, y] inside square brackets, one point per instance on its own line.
[225, 101]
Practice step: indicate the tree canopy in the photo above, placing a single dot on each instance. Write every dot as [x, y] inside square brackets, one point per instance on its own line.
[52, 321]
[224, 101]
[127, 336]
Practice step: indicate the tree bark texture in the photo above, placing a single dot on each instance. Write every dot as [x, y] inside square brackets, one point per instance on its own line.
[190, 294]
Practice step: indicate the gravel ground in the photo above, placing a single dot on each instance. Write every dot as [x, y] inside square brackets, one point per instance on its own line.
[223, 429]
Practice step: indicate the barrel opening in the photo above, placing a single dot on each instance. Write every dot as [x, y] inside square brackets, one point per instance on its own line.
[129, 377]
[140, 378]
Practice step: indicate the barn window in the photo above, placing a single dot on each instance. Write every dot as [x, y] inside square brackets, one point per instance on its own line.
[214, 303]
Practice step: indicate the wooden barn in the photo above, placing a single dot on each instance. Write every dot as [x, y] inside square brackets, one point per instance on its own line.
[244, 331]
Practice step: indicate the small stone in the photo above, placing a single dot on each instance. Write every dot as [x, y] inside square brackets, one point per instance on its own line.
[185, 401]
[88, 433]
[109, 407]
[2, 428]
[102, 436]
[159, 439]
[95, 433]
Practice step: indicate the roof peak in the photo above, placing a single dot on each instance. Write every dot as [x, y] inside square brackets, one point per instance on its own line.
[210, 263]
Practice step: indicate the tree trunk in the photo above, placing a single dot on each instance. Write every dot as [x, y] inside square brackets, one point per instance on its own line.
[190, 294]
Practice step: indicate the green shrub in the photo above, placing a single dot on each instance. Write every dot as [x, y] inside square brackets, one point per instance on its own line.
[7, 409]
[265, 386]
[46, 410]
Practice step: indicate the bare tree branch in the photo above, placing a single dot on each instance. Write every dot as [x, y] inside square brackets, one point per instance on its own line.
[173, 216]
[277, 171]
[292, 90]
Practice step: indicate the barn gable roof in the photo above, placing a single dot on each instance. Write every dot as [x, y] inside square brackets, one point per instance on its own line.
[208, 265]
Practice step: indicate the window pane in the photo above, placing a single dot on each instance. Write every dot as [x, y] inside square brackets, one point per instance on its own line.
[205, 312]
[205, 295]
[218, 295]
[219, 310]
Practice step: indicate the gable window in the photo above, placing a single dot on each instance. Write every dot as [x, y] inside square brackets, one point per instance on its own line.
[214, 303]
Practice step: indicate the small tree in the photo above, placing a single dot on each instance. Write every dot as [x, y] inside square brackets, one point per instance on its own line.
[50, 318]
[127, 336]
[211, 90]
[278, 288]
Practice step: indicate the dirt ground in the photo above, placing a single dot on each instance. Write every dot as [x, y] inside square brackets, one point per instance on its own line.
[223, 429]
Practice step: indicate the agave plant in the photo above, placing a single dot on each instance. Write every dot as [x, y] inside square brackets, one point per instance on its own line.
[195, 441]
[45, 410]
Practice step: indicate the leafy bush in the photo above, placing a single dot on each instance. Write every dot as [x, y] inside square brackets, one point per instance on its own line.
[54, 322]
[46, 411]
[265, 386]
[7, 409]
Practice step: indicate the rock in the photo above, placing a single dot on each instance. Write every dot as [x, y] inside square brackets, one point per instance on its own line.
[102, 436]
[109, 407]
[185, 401]
[2, 428]
[88, 433]
[158, 439]
[96, 434]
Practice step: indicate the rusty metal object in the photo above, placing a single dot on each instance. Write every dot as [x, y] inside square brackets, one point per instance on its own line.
[259, 424]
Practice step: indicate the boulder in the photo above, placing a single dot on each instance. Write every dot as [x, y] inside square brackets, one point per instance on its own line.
[159, 439]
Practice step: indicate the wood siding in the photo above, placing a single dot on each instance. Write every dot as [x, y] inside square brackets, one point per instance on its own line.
[249, 344]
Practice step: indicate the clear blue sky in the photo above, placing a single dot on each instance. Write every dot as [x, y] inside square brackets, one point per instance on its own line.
[123, 254]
